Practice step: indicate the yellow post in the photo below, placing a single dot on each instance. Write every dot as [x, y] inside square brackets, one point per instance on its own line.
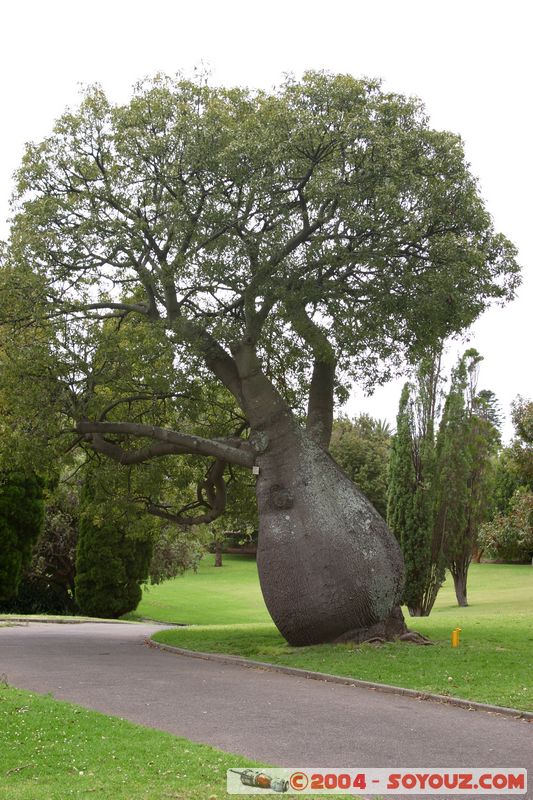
[455, 637]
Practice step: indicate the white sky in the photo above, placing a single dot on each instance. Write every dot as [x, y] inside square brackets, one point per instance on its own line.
[470, 62]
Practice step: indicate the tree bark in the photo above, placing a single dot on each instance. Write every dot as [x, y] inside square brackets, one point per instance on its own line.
[328, 564]
[320, 406]
[459, 580]
[218, 554]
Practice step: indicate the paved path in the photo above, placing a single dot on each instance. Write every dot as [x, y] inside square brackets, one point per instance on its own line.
[274, 718]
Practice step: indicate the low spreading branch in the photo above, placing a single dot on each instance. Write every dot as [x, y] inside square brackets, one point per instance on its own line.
[168, 443]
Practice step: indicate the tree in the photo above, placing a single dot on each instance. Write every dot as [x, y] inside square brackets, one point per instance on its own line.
[522, 446]
[273, 243]
[361, 447]
[21, 519]
[172, 554]
[110, 564]
[411, 495]
[509, 535]
[466, 444]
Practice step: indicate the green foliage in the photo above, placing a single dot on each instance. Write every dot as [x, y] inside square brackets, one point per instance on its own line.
[411, 497]
[361, 447]
[110, 565]
[509, 536]
[174, 552]
[522, 446]
[195, 209]
[21, 519]
[48, 583]
[466, 445]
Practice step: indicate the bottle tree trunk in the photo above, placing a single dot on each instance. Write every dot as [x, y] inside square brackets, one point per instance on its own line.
[329, 567]
[327, 563]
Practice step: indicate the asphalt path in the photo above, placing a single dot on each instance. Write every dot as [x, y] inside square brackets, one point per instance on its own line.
[277, 719]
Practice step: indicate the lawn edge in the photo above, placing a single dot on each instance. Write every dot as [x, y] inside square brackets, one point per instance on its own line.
[469, 705]
[64, 620]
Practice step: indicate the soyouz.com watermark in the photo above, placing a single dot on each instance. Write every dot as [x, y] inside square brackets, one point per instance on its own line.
[416, 781]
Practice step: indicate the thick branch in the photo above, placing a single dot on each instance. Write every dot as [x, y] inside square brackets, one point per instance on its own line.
[320, 403]
[215, 489]
[175, 442]
[128, 457]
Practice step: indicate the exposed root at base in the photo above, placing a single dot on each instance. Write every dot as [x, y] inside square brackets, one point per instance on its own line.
[390, 630]
[415, 638]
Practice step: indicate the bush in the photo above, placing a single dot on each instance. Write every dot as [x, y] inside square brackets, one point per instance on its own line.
[509, 537]
[110, 565]
[21, 519]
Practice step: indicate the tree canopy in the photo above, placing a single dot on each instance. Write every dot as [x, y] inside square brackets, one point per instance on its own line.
[325, 223]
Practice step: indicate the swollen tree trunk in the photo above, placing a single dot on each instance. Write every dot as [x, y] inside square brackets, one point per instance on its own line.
[328, 565]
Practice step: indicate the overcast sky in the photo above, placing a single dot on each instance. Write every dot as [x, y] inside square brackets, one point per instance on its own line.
[469, 61]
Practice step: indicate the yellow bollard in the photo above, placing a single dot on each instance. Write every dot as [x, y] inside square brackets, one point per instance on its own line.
[455, 637]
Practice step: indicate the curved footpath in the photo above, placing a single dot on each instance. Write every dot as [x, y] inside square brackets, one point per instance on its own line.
[275, 718]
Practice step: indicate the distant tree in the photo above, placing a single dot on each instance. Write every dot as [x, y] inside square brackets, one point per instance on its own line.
[411, 508]
[522, 446]
[509, 536]
[21, 519]
[486, 406]
[173, 552]
[466, 444]
[362, 447]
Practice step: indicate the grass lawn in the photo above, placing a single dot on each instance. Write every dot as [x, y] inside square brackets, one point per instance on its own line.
[50, 750]
[212, 595]
[494, 663]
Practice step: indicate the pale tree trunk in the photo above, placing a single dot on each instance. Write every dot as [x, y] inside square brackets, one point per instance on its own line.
[328, 565]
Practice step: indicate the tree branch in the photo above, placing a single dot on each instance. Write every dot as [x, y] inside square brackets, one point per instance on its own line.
[175, 442]
[320, 403]
[215, 488]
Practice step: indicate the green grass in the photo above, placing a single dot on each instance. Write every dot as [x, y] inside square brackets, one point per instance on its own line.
[50, 750]
[212, 595]
[61, 618]
[494, 663]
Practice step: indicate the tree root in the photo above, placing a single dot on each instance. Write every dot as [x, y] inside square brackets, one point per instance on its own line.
[390, 630]
[415, 638]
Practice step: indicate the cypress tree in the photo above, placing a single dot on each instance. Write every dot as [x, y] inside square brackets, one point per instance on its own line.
[110, 565]
[411, 512]
[21, 520]
[466, 442]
